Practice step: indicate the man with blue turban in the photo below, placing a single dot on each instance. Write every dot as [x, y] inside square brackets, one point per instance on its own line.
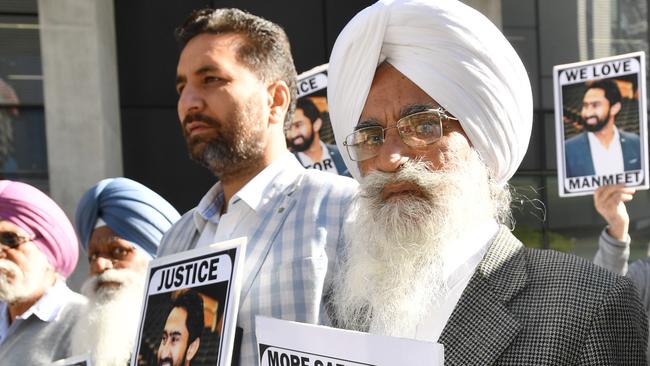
[120, 223]
[38, 250]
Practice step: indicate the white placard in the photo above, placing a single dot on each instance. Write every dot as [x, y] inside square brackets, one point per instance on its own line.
[312, 80]
[601, 141]
[178, 287]
[282, 342]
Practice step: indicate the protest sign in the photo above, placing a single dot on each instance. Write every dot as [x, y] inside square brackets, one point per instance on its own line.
[310, 136]
[81, 360]
[601, 124]
[190, 306]
[287, 343]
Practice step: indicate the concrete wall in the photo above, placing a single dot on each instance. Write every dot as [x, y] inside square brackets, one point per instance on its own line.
[82, 115]
[81, 96]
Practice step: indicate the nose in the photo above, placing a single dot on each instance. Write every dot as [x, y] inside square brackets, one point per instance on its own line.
[164, 351]
[189, 101]
[99, 265]
[294, 130]
[392, 154]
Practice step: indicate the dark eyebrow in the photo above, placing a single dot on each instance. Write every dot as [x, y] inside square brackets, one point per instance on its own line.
[415, 108]
[180, 79]
[405, 111]
[370, 122]
[200, 71]
[206, 69]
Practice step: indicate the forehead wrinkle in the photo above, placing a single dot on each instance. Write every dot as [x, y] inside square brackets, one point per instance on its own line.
[113, 240]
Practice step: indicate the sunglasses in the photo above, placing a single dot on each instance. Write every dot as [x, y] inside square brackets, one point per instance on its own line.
[13, 240]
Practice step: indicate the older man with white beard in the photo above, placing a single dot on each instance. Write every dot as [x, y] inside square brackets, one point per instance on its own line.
[434, 108]
[38, 250]
[120, 223]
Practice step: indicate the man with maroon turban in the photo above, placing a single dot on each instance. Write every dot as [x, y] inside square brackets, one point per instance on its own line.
[38, 250]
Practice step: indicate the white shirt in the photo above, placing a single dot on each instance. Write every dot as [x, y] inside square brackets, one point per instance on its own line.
[325, 164]
[240, 218]
[47, 309]
[607, 160]
[460, 262]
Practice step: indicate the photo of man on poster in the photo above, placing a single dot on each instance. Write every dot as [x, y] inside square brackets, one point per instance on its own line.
[602, 147]
[304, 140]
[181, 335]
[183, 327]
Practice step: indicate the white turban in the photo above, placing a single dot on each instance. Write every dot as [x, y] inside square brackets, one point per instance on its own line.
[453, 53]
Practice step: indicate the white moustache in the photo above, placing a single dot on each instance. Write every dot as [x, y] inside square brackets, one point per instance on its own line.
[122, 277]
[9, 269]
[13, 285]
[417, 173]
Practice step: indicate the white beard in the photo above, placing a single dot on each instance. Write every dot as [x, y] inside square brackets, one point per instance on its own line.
[392, 270]
[14, 285]
[109, 324]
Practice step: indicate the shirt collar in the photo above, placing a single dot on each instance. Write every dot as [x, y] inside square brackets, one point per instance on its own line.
[474, 243]
[258, 190]
[594, 140]
[47, 308]
[255, 194]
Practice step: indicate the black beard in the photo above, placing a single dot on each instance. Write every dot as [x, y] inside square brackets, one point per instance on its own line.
[598, 126]
[228, 154]
[225, 162]
[306, 143]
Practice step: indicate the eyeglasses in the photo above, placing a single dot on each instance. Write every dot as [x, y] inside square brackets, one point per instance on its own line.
[13, 240]
[416, 130]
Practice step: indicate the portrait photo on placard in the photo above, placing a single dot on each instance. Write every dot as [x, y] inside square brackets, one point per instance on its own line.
[309, 135]
[183, 325]
[601, 125]
[190, 307]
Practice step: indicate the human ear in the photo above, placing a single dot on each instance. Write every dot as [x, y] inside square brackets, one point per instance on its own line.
[318, 123]
[192, 349]
[615, 109]
[279, 100]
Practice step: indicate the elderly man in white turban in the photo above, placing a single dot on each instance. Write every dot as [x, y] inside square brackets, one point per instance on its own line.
[434, 110]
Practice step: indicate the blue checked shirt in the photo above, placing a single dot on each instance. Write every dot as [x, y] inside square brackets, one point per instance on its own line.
[291, 248]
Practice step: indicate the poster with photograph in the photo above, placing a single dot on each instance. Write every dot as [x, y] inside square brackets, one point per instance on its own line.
[310, 136]
[282, 342]
[601, 124]
[190, 307]
[82, 360]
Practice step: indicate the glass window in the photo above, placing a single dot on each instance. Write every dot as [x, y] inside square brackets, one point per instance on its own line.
[23, 153]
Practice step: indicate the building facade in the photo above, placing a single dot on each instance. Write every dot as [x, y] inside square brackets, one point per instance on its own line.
[87, 92]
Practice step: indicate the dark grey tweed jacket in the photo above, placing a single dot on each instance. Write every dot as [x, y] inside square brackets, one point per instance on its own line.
[539, 307]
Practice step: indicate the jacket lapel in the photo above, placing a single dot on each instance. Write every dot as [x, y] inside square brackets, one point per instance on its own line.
[481, 326]
[274, 214]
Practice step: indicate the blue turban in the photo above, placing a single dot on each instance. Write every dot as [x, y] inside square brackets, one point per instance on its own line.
[134, 212]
